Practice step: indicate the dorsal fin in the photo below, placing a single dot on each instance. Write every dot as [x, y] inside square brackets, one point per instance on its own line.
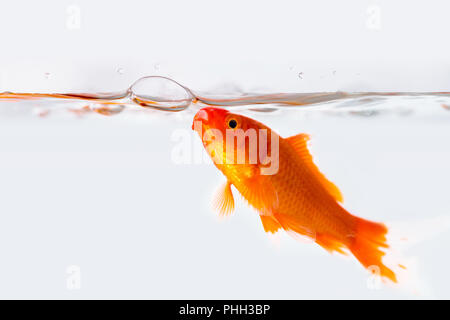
[299, 143]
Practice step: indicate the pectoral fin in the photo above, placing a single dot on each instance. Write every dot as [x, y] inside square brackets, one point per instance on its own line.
[223, 201]
[299, 143]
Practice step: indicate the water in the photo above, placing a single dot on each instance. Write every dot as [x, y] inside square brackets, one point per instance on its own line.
[92, 184]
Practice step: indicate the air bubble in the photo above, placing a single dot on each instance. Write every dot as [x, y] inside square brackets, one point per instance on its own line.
[161, 93]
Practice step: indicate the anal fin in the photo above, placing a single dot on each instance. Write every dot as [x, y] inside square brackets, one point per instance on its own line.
[270, 224]
[330, 244]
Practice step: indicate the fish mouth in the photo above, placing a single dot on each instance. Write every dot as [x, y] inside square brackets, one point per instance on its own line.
[202, 116]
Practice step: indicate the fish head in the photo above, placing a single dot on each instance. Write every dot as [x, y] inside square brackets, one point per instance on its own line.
[219, 119]
[229, 138]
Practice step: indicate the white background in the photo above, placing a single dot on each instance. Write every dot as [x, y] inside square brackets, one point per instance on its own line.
[372, 45]
[103, 193]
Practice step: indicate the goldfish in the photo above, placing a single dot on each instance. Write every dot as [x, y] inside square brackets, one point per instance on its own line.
[293, 195]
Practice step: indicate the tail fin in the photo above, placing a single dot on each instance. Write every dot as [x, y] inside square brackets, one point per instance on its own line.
[367, 247]
[368, 244]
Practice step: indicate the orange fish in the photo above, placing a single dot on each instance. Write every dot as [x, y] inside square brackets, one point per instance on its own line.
[277, 176]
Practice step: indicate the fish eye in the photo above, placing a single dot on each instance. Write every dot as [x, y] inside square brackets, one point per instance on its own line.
[232, 123]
